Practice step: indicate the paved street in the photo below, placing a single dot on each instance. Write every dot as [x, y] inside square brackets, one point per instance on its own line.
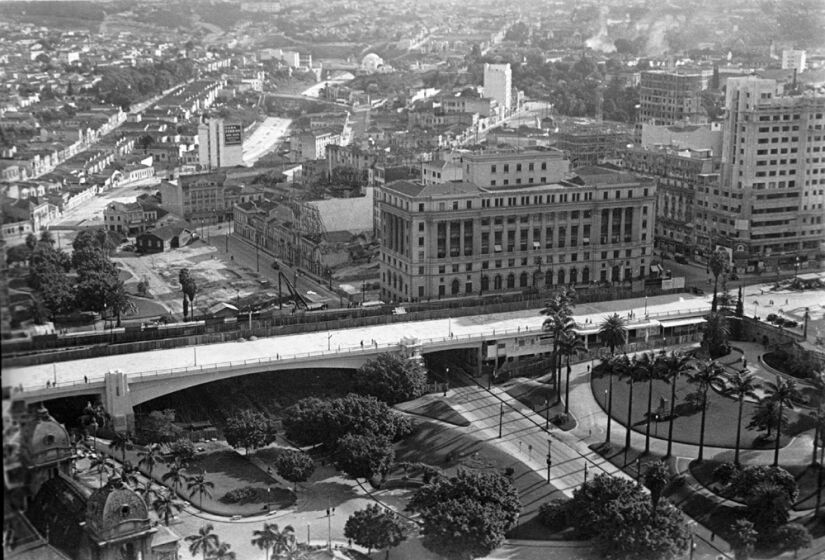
[265, 138]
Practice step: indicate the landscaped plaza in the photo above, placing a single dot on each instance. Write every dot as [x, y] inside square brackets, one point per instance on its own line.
[505, 427]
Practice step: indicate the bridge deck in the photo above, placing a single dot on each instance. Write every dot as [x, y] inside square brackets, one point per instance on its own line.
[298, 346]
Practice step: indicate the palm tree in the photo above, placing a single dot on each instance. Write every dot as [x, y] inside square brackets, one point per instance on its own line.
[616, 366]
[559, 312]
[285, 542]
[560, 326]
[783, 392]
[632, 373]
[222, 553]
[819, 414]
[709, 373]
[717, 263]
[204, 542]
[613, 332]
[166, 506]
[569, 345]
[198, 484]
[100, 462]
[150, 457]
[175, 475]
[656, 478]
[648, 367]
[120, 441]
[674, 366]
[740, 385]
[129, 475]
[265, 538]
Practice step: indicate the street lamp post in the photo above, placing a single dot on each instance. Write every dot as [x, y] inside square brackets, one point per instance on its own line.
[447, 385]
[330, 513]
[609, 396]
[500, 419]
[549, 458]
[796, 268]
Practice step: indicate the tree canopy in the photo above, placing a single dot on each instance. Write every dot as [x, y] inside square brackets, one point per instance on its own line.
[375, 527]
[467, 515]
[249, 429]
[391, 378]
[294, 465]
[364, 456]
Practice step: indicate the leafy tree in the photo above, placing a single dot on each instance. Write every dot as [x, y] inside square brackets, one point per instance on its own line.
[588, 507]
[46, 237]
[182, 450]
[633, 532]
[46, 261]
[656, 477]
[198, 484]
[189, 288]
[740, 385]
[391, 378]
[794, 536]
[31, 241]
[57, 293]
[468, 515]
[204, 542]
[364, 456]
[783, 392]
[767, 508]
[18, 253]
[295, 466]
[376, 527]
[249, 429]
[742, 538]
[159, 425]
[312, 420]
[709, 372]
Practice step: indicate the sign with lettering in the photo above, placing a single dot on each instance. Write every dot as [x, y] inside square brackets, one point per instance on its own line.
[232, 135]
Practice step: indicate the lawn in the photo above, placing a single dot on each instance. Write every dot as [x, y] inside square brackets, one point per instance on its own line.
[146, 308]
[450, 449]
[806, 479]
[721, 416]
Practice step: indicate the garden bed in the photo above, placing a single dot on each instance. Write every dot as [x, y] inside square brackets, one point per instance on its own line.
[534, 395]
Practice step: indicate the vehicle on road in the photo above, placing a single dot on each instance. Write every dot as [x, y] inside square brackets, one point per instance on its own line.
[276, 265]
[680, 258]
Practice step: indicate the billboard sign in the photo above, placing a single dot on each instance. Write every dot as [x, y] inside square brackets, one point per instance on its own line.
[232, 135]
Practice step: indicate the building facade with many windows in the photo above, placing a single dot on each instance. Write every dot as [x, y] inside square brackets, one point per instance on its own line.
[770, 207]
[459, 239]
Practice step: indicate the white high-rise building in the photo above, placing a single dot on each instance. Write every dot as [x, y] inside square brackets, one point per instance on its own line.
[498, 84]
[220, 143]
[794, 60]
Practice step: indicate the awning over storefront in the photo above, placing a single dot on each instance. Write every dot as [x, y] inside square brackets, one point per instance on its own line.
[585, 331]
[652, 323]
[682, 322]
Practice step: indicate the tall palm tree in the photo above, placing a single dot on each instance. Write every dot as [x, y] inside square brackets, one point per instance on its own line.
[560, 326]
[149, 458]
[166, 506]
[740, 385]
[222, 553]
[742, 539]
[819, 414]
[285, 542]
[674, 366]
[559, 311]
[717, 263]
[198, 484]
[783, 392]
[632, 374]
[616, 366]
[129, 475]
[569, 345]
[204, 542]
[175, 475]
[715, 334]
[709, 372]
[265, 538]
[120, 441]
[648, 366]
[613, 332]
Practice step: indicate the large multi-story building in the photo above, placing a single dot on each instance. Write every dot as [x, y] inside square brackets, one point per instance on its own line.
[220, 143]
[464, 238]
[514, 167]
[794, 60]
[770, 207]
[671, 98]
[498, 84]
[593, 143]
[205, 198]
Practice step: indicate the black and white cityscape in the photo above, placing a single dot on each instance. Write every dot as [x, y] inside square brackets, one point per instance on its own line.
[441, 280]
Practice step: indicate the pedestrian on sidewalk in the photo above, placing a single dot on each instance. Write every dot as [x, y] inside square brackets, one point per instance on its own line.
[85, 379]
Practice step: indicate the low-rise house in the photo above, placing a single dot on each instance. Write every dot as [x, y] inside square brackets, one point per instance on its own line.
[163, 239]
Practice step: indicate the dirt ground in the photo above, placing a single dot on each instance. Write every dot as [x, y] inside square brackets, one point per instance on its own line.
[216, 280]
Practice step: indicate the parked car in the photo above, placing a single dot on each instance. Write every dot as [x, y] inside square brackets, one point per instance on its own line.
[680, 258]
[772, 317]
[276, 265]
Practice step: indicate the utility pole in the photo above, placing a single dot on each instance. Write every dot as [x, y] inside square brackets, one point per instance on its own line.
[330, 513]
[500, 419]
[549, 458]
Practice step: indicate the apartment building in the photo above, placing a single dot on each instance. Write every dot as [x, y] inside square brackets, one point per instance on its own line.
[498, 84]
[770, 207]
[220, 143]
[204, 198]
[591, 144]
[312, 145]
[464, 238]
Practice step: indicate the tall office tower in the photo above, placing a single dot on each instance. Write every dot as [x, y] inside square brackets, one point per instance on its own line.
[770, 206]
[220, 143]
[671, 98]
[498, 84]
